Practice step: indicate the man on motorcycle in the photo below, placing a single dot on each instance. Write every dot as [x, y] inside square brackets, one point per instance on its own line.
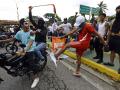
[28, 40]
[27, 37]
[40, 34]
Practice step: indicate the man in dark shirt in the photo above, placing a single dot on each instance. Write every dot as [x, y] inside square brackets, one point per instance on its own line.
[40, 34]
[114, 39]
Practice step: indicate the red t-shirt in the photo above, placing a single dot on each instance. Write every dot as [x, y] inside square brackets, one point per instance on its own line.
[85, 34]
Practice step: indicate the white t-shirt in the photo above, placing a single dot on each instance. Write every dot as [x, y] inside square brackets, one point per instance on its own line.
[66, 27]
[50, 28]
[54, 26]
[101, 28]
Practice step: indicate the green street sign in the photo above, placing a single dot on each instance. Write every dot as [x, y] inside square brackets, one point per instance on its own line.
[95, 11]
[87, 10]
[84, 9]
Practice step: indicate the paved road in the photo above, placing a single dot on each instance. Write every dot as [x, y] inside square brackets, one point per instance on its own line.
[51, 78]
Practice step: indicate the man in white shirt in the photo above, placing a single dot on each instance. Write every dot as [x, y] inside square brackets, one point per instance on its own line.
[102, 30]
[54, 28]
[66, 26]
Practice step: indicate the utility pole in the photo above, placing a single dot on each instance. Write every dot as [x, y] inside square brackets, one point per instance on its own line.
[16, 9]
[17, 12]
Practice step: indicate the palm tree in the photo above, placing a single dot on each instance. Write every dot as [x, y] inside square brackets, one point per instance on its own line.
[102, 7]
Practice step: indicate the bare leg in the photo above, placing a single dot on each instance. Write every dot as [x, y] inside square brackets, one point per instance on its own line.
[112, 57]
[78, 64]
[77, 72]
[62, 50]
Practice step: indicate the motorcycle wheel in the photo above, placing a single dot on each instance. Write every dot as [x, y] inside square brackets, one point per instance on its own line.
[10, 48]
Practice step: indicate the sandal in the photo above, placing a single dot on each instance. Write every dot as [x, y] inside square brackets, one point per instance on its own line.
[76, 74]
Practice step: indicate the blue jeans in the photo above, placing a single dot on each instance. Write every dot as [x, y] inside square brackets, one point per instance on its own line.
[39, 48]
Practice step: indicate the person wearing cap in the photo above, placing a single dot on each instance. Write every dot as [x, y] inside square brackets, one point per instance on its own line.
[84, 31]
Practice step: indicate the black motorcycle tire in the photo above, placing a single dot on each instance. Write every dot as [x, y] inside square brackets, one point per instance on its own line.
[10, 48]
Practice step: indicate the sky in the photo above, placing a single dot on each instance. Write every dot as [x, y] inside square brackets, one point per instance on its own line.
[64, 8]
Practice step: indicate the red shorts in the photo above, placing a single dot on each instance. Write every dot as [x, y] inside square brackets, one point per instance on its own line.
[80, 46]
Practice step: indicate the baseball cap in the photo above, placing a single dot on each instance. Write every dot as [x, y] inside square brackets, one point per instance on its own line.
[79, 20]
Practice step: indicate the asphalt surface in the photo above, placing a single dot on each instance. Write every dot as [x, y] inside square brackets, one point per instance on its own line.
[51, 78]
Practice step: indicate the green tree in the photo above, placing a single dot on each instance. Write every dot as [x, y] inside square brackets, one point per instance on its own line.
[111, 17]
[102, 7]
[71, 20]
[51, 17]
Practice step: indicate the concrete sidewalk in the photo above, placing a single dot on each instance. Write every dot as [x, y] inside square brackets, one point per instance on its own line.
[88, 54]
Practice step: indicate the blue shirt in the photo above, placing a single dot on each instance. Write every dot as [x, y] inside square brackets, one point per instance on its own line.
[32, 38]
[23, 36]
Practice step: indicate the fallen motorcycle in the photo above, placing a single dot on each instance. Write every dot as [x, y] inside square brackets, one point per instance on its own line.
[19, 65]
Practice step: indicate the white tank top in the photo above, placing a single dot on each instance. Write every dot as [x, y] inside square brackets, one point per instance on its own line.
[101, 28]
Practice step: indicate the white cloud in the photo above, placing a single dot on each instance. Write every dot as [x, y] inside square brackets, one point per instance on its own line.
[65, 8]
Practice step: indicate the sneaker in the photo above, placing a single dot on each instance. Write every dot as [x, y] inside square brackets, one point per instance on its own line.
[35, 82]
[96, 57]
[108, 64]
[99, 61]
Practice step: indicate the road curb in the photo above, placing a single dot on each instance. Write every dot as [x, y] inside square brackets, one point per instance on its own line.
[101, 68]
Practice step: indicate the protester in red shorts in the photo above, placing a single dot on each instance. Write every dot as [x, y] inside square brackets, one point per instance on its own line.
[84, 31]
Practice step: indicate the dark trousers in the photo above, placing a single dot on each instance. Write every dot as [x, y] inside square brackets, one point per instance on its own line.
[98, 48]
